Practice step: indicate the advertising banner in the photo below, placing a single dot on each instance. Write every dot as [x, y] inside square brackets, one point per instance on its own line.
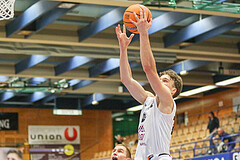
[8, 121]
[235, 155]
[39, 134]
[54, 152]
[222, 156]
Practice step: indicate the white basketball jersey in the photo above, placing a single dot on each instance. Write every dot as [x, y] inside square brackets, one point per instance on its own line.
[154, 130]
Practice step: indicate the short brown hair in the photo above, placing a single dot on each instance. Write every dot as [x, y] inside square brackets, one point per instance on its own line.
[128, 151]
[17, 152]
[178, 83]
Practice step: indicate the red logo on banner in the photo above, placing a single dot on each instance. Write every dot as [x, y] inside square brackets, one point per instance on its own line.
[67, 134]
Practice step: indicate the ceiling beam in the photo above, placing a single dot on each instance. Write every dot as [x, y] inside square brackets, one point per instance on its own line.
[181, 54]
[200, 27]
[102, 23]
[36, 96]
[187, 65]
[74, 62]
[29, 62]
[48, 72]
[37, 80]
[81, 74]
[30, 15]
[111, 70]
[126, 90]
[218, 78]
[97, 87]
[163, 21]
[6, 96]
[97, 97]
[215, 32]
[104, 67]
[48, 18]
[197, 79]
[82, 83]
[45, 99]
[110, 66]
[72, 82]
[171, 9]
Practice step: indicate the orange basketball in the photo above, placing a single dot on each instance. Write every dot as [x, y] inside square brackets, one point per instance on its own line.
[128, 14]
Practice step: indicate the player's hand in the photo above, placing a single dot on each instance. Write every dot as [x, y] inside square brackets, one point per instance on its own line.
[123, 40]
[142, 24]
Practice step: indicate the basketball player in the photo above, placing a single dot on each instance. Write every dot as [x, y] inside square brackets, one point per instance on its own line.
[157, 116]
[121, 152]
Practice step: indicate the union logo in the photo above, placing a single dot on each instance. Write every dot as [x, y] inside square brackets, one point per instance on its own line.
[74, 136]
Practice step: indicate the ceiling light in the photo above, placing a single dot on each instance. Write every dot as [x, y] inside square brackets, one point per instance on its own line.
[197, 90]
[228, 81]
[94, 101]
[67, 5]
[52, 90]
[120, 89]
[185, 44]
[25, 32]
[136, 108]
[183, 73]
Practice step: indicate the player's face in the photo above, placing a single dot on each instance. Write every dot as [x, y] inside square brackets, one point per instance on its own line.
[119, 153]
[13, 156]
[167, 81]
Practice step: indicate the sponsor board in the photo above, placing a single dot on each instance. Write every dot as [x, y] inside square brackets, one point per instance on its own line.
[8, 121]
[223, 156]
[39, 134]
[236, 156]
[54, 152]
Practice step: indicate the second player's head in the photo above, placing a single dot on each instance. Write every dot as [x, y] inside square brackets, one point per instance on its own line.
[121, 152]
[173, 81]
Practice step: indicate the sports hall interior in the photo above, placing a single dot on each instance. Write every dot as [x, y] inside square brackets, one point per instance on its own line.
[56, 53]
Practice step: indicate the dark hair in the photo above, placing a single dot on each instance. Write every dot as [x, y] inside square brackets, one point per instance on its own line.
[212, 113]
[19, 153]
[128, 151]
[178, 83]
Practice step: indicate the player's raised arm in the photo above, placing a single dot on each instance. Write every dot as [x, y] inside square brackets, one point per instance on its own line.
[136, 90]
[158, 84]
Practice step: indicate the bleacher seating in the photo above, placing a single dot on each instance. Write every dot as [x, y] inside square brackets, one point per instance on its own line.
[195, 130]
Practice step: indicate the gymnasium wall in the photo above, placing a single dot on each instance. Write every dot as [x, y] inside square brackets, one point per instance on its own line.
[210, 103]
[95, 128]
